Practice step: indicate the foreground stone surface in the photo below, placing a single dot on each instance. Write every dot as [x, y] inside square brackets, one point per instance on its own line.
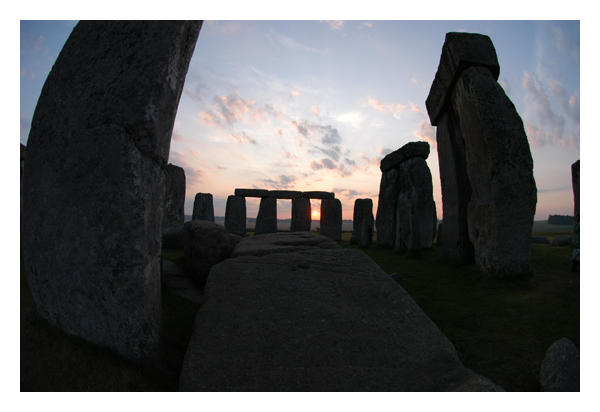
[205, 244]
[94, 184]
[262, 245]
[560, 368]
[328, 320]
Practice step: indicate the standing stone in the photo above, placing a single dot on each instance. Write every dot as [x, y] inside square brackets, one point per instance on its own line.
[416, 187]
[386, 209]
[205, 244]
[235, 215]
[362, 220]
[94, 185]
[440, 240]
[22, 168]
[331, 218]
[575, 180]
[414, 242]
[301, 218]
[174, 195]
[561, 368]
[203, 207]
[406, 152]
[456, 189]
[266, 221]
[500, 169]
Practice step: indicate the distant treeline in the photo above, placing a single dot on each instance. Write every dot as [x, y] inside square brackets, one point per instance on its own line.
[560, 220]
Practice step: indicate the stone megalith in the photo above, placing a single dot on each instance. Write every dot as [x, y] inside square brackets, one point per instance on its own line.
[363, 222]
[331, 218]
[561, 368]
[174, 195]
[266, 221]
[205, 244]
[235, 215]
[486, 168]
[575, 179]
[203, 207]
[94, 185]
[301, 219]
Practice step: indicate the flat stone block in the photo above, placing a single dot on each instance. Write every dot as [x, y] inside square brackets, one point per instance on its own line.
[251, 192]
[406, 152]
[318, 195]
[460, 51]
[285, 194]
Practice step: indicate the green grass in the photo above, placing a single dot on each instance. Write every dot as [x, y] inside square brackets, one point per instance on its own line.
[500, 328]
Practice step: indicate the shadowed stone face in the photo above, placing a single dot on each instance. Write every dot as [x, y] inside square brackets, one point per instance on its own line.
[331, 218]
[174, 195]
[95, 181]
[203, 207]
[235, 215]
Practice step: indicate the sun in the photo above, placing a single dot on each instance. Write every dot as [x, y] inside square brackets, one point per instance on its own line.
[316, 214]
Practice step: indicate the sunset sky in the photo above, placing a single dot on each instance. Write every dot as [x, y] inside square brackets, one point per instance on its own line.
[315, 105]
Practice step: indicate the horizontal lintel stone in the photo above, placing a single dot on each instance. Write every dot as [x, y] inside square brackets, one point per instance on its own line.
[252, 192]
[285, 194]
[460, 51]
[406, 152]
[318, 195]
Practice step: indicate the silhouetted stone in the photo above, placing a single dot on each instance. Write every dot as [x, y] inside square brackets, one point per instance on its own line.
[500, 169]
[386, 209]
[440, 240]
[285, 194]
[406, 152]
[318, 195]
[575, 181]
[266, 221]
[301, 218]
[460, 51]
[262, 245]
[22, 168]
[206, 244]
[94, 184]
[560, 368]
[456, 189]
[331, 218]
[235, 215]
[174, 195]
[561, 220]
[363, 222]
[203, 207]
[322, 320]
[252, 192]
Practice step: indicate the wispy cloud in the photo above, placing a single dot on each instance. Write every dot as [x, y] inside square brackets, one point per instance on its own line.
[226, 110]
[316, 111]
[242, 138]
[292, 44]
[229, 27]
[426, 133]
[334, 24]
[280, 182]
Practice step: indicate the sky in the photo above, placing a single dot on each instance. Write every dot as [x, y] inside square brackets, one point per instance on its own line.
[316, 104]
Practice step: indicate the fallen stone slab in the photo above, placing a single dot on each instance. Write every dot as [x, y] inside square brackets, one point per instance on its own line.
[318, 195]
[563, 240]
[251, 192]
[320, 320]
[261, 245]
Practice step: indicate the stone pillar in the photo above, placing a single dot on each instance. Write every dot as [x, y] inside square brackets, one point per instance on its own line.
[363, 216]
[331, 218]
[174, 195]
[575, 180]
[203, 207]
[386, 209]
[94, 184]
[471, 110]
[414, 242]
[301, 218]
[266, 221]
[235, 215]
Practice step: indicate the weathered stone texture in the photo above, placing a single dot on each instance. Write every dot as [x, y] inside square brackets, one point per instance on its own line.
[500, 169]
[266, 221]
[561, 368]
[205, 244]
[174, 195]
[301, 217]
[94, 184]
[172, 236]
[363, 222]
[262, 245]
[323, 320]
[456, 189]
[235, 215]
[331, 218]
[203, 207]
[460, 51]
[386, 209]
[406, 152]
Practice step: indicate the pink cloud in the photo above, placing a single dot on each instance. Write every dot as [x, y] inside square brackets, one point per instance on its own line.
[242, 139]
[426, 133]
[379, 106]
[316, 110]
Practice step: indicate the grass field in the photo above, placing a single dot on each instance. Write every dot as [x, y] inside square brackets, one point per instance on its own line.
[500, 328]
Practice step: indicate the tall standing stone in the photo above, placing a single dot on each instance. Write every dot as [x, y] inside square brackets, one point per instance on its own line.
[174, 195]
[386, 209]
[203, 207]
[235, 215]
[363, 222]
[575, 180]
[301, 218]
[331, 218]
[94, 185]
[266, 221]
[498, 196]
